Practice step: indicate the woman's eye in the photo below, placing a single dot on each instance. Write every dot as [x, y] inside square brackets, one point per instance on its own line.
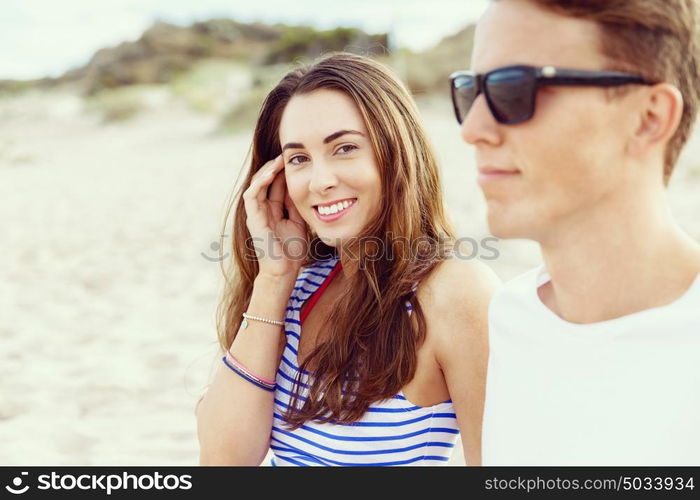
[347, 148]
[296, 160]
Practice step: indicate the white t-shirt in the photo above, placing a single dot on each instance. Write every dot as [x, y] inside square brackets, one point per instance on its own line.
[619, 392]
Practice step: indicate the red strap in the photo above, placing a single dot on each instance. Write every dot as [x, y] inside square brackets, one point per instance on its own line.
[311, 301]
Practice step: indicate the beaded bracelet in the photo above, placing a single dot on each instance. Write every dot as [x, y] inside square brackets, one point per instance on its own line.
[247, 316]
[234, 367]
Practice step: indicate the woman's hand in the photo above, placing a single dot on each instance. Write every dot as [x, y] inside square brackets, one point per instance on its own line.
[280, 243]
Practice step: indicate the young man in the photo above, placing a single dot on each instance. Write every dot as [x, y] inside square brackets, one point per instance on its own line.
[595, 355]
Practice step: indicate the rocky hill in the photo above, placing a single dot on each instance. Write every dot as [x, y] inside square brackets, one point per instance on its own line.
[166, 50]
[225, 68]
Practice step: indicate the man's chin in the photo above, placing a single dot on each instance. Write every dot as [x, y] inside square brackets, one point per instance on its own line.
[506, 227]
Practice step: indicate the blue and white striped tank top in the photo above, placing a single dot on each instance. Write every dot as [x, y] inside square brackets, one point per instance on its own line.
[392, 431]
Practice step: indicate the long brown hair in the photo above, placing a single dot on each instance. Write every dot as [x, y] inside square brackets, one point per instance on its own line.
[370, 346]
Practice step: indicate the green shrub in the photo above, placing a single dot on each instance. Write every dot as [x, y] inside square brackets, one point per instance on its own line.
[306, 42]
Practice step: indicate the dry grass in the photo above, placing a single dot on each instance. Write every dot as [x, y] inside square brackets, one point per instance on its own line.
[212, 85]
[116, 105]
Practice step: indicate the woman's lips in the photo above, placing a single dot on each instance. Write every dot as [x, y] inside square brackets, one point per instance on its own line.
[334, 217]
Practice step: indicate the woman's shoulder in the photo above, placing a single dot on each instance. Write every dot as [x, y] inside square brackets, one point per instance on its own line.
[455, 298]
[458, 281]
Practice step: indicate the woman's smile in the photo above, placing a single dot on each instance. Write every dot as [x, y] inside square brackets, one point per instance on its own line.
[331, 212]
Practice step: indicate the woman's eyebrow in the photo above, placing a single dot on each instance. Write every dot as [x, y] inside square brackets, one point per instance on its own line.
[330, 138]
[340, 133]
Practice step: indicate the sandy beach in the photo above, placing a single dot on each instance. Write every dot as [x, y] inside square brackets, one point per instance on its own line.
[107, 335]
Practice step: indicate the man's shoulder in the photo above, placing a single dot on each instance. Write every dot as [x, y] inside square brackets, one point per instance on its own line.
[516, 296]
[523, 284]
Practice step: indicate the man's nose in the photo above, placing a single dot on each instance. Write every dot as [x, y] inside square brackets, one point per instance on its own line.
[479, 125]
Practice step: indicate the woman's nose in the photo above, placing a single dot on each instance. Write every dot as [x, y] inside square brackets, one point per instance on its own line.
[323, 177]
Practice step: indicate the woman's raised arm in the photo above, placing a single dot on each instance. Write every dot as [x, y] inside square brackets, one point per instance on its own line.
[234, 417]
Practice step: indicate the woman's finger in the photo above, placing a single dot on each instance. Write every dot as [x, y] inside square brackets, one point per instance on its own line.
[258, 178]
[294, 214]
[276, 197]
[266, 179]
[252, 197]
[261, 171]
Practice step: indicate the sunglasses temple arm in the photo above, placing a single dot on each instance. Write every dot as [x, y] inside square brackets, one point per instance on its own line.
[604, 79]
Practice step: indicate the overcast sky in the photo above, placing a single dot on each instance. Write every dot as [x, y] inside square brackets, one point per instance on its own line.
[46, 37]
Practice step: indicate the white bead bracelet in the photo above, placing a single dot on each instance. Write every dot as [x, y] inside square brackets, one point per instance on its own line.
[246, 317]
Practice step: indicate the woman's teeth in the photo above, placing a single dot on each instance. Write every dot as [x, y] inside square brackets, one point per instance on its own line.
[334, 209]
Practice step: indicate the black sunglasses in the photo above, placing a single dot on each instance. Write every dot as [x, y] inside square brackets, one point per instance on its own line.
[510, 91]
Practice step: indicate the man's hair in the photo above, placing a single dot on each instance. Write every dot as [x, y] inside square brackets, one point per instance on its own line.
[657, 39]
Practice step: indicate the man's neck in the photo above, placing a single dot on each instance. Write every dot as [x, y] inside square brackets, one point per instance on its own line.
[618, 261]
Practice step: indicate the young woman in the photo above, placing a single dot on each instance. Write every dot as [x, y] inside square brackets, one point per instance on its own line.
[353, 335]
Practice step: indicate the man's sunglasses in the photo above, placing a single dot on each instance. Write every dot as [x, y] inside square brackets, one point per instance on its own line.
[510, 91]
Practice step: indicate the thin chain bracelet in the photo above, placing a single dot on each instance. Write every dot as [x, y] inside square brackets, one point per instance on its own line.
[247, 316]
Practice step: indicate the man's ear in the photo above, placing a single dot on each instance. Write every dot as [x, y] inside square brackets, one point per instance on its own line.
[660, 111]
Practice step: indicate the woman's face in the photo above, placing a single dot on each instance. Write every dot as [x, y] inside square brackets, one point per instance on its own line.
[330, 168]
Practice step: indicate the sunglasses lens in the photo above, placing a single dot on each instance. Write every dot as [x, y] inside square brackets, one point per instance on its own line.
[464, 92]
[512, 94]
